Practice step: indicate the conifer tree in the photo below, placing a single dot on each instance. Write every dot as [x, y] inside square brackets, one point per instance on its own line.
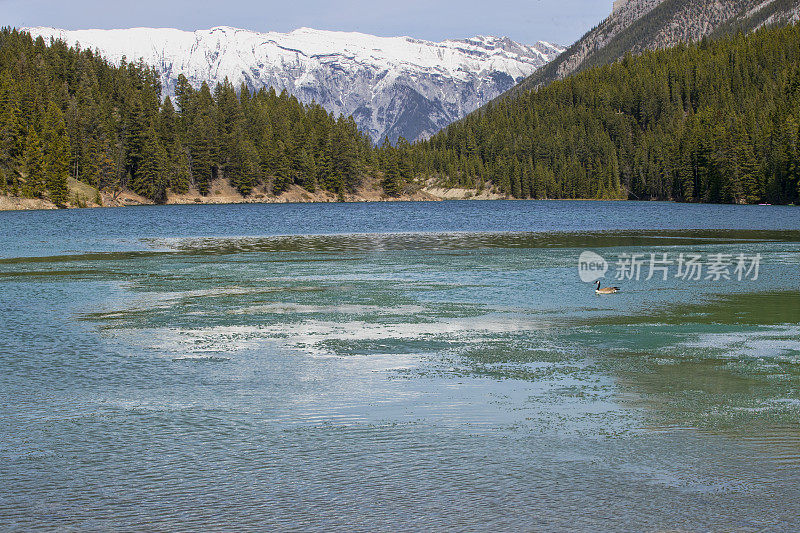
[34, 166]
[12, 134]
[150, 179]
[56, 150]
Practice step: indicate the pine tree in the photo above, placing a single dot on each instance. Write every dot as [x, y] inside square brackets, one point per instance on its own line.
[176, 159]
[201, 152]
[150, 179]
[12, 134]
[281, 180]
[34, 166]
[391, 175]
[56, 150]
[202, 139]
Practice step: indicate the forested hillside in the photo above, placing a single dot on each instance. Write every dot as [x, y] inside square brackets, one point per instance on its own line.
[67, 112]
[639, 25]
[712, 122]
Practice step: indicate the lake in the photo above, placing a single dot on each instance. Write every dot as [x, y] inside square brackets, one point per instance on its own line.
[400, 366]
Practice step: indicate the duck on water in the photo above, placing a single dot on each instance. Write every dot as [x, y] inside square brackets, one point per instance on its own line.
[605, 290]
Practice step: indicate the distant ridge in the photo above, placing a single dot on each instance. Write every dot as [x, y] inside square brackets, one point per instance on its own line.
[393, 86]
[638, 25]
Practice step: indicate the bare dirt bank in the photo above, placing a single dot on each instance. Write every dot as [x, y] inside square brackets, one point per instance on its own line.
[221, 192]
[12, 203]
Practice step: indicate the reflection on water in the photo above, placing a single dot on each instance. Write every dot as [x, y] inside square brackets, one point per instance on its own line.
[455, 379]
[378, 242]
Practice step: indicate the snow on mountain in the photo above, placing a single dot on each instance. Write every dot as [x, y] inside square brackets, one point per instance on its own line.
[393, 86]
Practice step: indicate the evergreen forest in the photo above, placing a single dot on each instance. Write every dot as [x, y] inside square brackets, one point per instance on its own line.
[66, 112]
[717, 121]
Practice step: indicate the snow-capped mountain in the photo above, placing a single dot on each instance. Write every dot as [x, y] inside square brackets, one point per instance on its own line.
[393, 86]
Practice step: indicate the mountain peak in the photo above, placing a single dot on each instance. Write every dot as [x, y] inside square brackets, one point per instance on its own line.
[392, 86]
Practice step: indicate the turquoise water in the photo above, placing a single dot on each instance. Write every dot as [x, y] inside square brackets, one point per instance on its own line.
[396, 367]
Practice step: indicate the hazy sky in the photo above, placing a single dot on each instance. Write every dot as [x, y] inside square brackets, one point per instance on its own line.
[560, 21]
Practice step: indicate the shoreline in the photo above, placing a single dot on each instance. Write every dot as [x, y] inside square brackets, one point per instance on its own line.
[221, 193]
[84, 196]
[18, 204]
[13, 203]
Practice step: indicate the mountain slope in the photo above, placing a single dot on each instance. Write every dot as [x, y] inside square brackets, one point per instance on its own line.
[393, 87]
[717, 121]
[639, 25]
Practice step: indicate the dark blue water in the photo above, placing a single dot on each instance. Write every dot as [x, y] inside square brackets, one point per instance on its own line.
[430, 366]
[50, 232]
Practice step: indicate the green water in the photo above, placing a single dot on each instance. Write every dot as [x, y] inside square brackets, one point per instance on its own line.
[266, 367]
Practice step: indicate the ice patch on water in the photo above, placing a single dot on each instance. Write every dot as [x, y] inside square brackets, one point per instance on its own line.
[788, 402]
[345, 309]
[664, 361]
[313, 336]
[780, 342]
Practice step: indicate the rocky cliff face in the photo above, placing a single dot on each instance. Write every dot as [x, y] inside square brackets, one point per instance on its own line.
[392, 86]
[638, 25]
